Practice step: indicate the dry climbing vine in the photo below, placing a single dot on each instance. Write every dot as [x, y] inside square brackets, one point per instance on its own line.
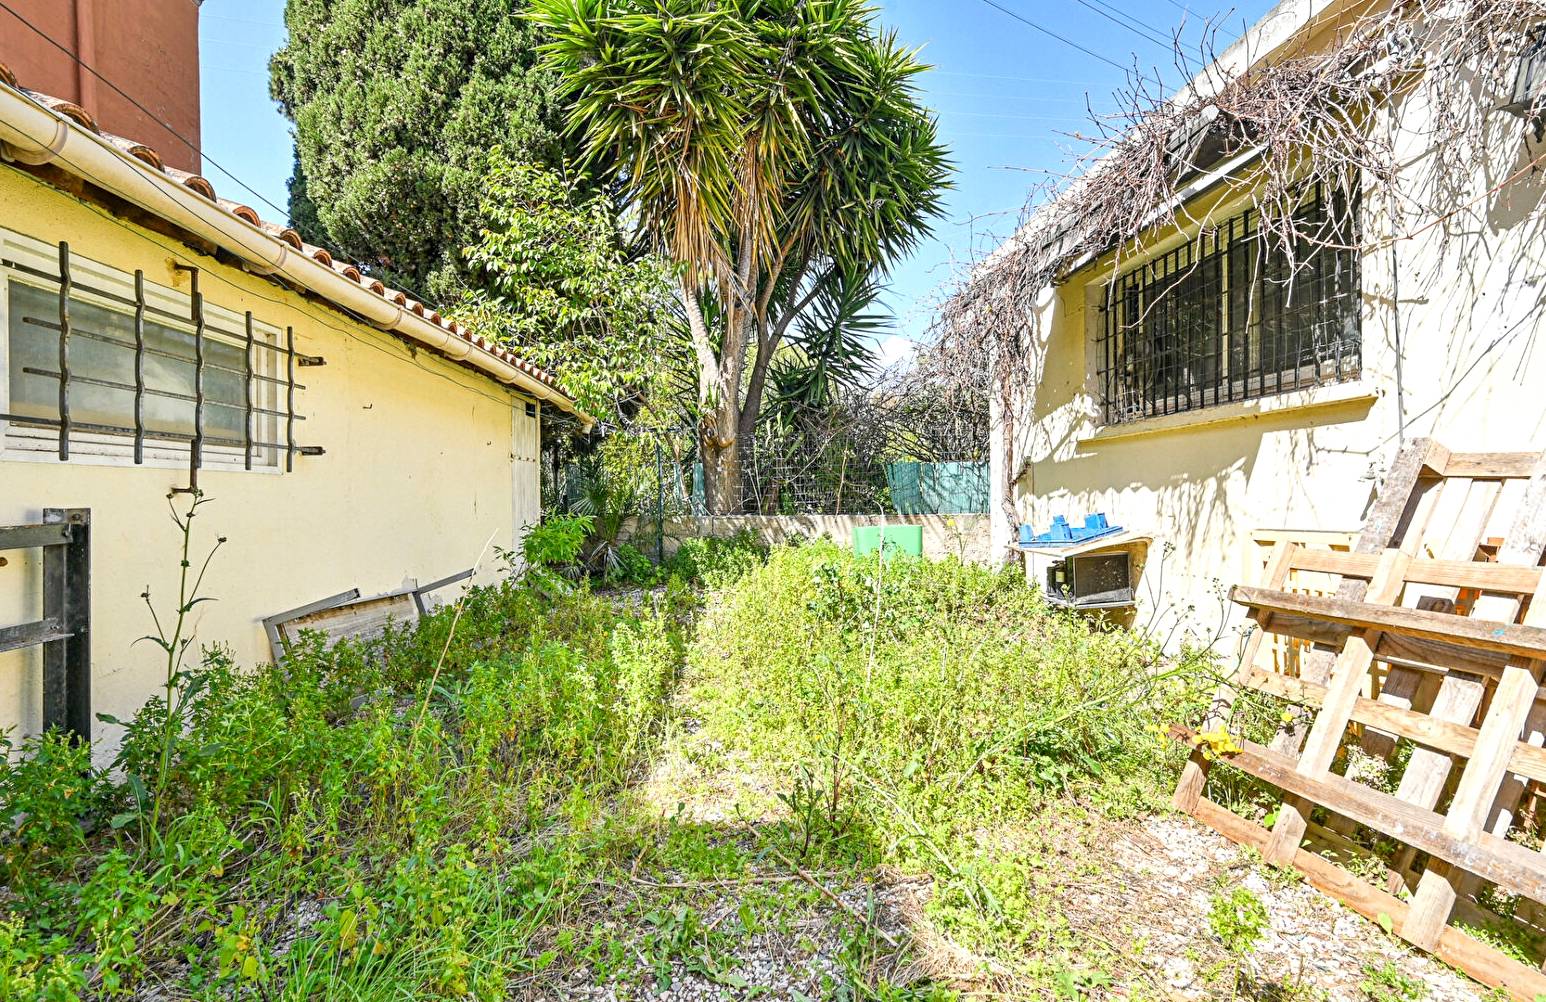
[1306, 115]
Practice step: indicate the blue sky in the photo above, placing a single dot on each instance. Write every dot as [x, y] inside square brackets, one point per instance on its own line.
[1007, 96]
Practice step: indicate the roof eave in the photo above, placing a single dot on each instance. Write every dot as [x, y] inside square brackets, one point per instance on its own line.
[34, 134]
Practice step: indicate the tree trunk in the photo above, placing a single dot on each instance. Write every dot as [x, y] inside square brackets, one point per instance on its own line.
[721, 467]
[719, 433]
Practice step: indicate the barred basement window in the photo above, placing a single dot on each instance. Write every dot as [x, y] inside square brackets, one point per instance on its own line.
[1230, 316]
[98, 364]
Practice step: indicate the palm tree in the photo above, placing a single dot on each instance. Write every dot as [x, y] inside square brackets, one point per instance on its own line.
[775, 149]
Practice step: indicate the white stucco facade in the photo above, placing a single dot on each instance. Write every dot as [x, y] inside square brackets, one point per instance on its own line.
[428, 467]
[1451, 325]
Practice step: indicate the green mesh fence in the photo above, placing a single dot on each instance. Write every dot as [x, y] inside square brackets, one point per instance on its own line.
[938, 488]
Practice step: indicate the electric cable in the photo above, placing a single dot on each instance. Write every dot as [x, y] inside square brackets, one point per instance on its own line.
[194, 147]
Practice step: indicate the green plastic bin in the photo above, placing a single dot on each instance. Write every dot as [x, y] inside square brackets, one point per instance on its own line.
[897, 539]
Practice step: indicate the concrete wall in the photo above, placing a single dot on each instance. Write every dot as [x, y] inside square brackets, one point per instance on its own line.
[148, 49]
[964, 536]
[424, 464]
[1472, 365]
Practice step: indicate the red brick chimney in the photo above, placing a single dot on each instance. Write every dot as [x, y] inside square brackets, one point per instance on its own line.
[146, 49]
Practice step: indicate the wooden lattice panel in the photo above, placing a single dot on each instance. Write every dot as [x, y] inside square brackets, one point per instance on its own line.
[1427, 631]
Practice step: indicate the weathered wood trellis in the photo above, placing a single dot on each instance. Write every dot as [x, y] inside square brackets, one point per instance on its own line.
[1435, 635]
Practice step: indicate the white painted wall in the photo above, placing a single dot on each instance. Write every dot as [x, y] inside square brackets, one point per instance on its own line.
[426, 461]
[1472, 362]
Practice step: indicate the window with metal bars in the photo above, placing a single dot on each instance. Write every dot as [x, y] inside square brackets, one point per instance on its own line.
[1232, 315]
[101, 364]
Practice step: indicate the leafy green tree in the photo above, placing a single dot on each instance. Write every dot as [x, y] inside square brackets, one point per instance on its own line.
[565, 290]
[775, 149]
[396, 105]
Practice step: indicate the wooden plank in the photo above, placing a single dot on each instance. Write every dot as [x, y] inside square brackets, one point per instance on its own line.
[1487, 965]
[44, 631]
[1479, 784]
[1481, 781]
[1194, 774]
[1459, 695]
[1390, 517]
[1435, 656]
[1491, 464]
[1501, 817]
[1509, 865]
[1526, 759]
[1505, 578]
[1357, 565]
[361, 620]
[1463, 531]
[1401, 512]
[1347, 678]
[1502, 637]
[1430, 656]
[25, 537]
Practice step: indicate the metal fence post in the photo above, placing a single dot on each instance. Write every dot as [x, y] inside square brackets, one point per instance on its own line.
[660, 507]
[67, 600]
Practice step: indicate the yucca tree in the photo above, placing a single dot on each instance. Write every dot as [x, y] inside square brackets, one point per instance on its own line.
[770, 147]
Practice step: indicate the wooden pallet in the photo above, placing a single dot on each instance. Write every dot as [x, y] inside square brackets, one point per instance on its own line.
[1436, 635]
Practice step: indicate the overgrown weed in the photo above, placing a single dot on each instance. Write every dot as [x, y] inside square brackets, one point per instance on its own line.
[432, 843]
[941, 706]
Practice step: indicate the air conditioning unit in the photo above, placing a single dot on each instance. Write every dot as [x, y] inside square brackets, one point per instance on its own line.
[1529, 94]
[1092, 581]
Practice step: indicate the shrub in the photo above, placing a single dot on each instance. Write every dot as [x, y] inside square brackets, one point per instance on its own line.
[633, 568]
[384, 779]
[918, 709]
[716, 561]
[1238, 919]
[48, 790]
[556, 542]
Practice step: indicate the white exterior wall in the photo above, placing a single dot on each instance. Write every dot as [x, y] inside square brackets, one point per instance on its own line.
[425, 463]
[1473, 375]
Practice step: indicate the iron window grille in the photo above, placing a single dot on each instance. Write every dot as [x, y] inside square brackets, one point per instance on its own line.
[1529, 90]
[1231, 315]
[146, 374]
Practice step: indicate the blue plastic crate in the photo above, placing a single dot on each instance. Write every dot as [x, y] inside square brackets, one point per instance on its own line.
[1063, 534]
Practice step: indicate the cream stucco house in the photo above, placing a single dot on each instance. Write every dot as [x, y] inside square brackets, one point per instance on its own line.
[348, 436]
[1175, 386]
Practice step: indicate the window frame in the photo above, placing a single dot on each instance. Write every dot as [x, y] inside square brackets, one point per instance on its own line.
[22, 443]
[1209, 250]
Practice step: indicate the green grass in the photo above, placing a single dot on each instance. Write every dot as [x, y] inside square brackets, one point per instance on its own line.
[370, 821]
[932, 716]
[513, 793]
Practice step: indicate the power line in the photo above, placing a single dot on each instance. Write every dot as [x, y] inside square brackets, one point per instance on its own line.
[1065, 99]
[358, 220]
[1153, 40]
[1052, 34]
[997, 76]
[153, 116]
[1161, 31]
[1023, 118]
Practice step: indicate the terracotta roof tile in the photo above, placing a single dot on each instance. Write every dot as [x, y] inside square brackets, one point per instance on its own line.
[245, 213]
[196, 182]
[152, 160]
[138, 151]
[68, 109]
[284, 233]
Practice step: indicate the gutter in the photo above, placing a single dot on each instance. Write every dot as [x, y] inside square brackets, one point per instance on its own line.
[35, 135]
[1199, 186]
